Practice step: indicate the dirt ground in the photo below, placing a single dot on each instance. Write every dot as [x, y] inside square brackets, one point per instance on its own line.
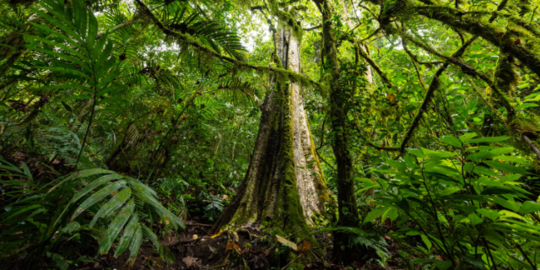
[244, 247]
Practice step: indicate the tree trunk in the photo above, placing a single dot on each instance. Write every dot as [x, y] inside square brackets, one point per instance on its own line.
[347, 208]
[284, 186]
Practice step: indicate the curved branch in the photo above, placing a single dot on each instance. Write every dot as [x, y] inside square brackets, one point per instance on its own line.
[473, 25]
[376, 67]
[195, 44]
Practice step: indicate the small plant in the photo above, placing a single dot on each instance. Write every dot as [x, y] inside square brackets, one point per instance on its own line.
[42, 219]
[469, 205]
[214, 207]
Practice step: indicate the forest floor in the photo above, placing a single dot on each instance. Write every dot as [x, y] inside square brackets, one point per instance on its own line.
[244, 247]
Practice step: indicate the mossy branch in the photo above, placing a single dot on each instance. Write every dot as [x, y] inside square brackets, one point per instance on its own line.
[374, 65]
[477, 26]
[459, 13]
[187, 39]
[433, 86]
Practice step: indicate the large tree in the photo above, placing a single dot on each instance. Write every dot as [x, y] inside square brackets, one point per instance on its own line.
[284, 186]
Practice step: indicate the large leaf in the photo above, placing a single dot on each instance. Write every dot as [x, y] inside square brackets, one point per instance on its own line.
[529, 207]
[509, 168]
[93, 185]
[489, 139]
[375, 213]
[113, 204]
[127, 235]
[116, 225]
[96, 197]
[136, 242]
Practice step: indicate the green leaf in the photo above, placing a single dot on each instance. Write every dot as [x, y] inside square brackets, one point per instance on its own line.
[94, 184]
[498, 190]
[98, 196]
[375, 213]
[25, 208]
[416, 152]
[480, 155]
[475, 219]
[74, 97]
[489, 139]
[67, 107]
[105, 54]
[67, 58]
[438, 154]
[396, 164]
[513, 159]
[148, 233]
[465, 137]
[485, 171]
[79, 16]
[55, 44]
[64, 86]
[65, 70]
[92, 31]
[27, 172]
[503, 150]
[451, 140]
[403, 205]
[507, 203]
[506, 167]
[130, 229]
[136, 242]
[116, 225]
[527, 105]
[491, 214]
[59, 20]
[96, 51]
[426, 241]
[529, 207]
[113, 204]
[443, 265]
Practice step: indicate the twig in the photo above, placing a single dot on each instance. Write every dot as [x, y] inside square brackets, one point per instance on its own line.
[532, 145]
[331, 167]
[198, 224]
[285, 267]
[223, 264]
[313, 28]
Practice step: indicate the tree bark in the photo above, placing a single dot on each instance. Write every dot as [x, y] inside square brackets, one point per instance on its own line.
[348, 211]
[284, 186]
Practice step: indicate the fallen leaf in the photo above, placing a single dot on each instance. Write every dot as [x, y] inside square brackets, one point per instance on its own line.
[191, 261]
[286, 242]
[392, 98]
[305, 247]
[217, 234]
[166, 219]
[233, 245]
[19, 155]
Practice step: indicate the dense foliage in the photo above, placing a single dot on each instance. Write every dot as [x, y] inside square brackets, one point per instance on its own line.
[120, 120]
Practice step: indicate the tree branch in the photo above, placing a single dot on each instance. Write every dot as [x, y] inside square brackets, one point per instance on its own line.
[195, 44]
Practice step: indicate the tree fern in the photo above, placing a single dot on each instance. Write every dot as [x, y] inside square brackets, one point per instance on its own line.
[182, 17]
[130, 200]
[75, 53]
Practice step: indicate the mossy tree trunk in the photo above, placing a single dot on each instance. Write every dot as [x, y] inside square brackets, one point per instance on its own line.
[284, 186]
[348, 210]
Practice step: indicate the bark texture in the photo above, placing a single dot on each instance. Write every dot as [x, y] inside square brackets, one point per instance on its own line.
[347, 208]
[284, 186]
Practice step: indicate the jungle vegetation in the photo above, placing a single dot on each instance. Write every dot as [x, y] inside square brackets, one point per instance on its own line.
[365, 134]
